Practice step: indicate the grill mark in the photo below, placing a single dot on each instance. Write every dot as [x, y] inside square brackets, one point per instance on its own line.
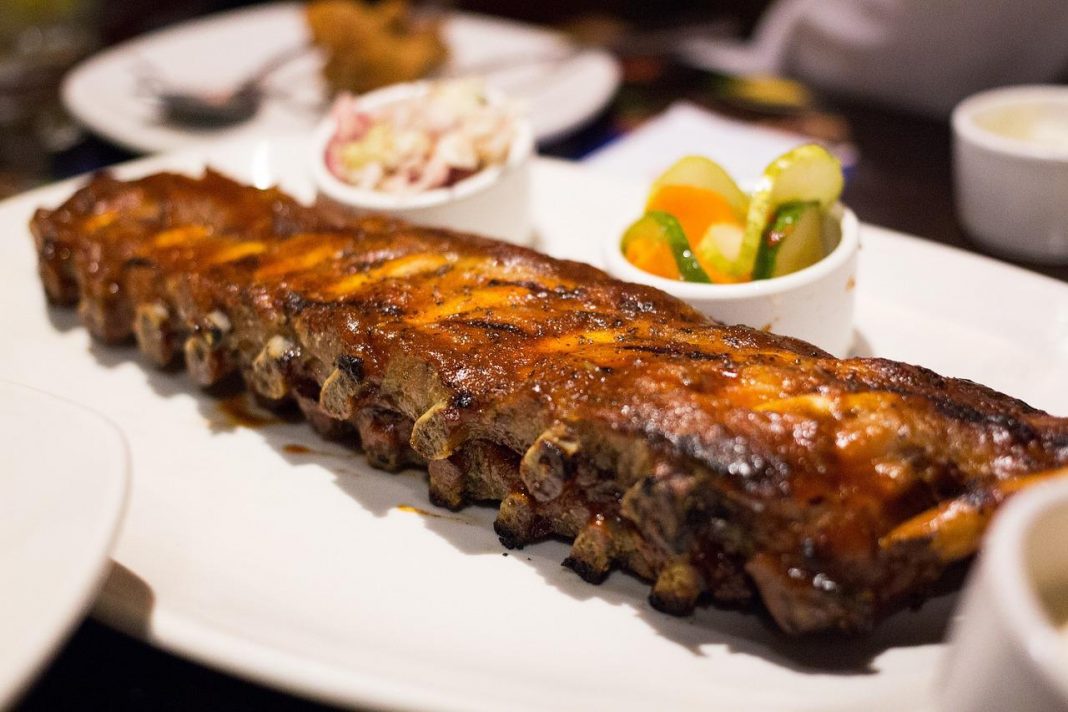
[488, 325]
[693, 354]
[521, 283]
[135, 262]
[538, 289]
[364, 266]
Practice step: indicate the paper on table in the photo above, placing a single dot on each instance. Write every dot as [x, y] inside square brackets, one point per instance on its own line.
[685, 128]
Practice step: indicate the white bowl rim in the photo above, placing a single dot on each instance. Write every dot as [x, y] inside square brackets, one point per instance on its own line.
[520, 151]
[965, 126]
[1005, 568]
[847, 246]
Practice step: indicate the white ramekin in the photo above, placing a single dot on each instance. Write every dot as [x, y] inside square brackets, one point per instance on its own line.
[494, 202]
[814, 304]
[1005, 653]
[1010, 191]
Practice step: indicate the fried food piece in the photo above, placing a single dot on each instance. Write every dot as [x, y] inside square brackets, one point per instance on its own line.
[371, 45]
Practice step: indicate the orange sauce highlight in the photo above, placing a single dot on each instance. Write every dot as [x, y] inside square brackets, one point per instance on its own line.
[295, 449]
[424, 513]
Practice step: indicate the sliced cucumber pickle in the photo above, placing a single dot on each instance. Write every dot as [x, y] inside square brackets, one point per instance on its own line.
[719, 249]
[661, 228]
[793, 241]
[806, 174]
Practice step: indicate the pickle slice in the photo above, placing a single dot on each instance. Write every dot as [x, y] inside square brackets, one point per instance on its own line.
[718, 252]
[656, 227]
[793, 241]
[806, 174]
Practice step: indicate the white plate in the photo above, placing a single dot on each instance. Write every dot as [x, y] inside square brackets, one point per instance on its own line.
[300, 570]
[103, 94]
[63, 474]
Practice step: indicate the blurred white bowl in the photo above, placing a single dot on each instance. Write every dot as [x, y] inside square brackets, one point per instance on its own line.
[1010, 155]
[814, 304]
[1006, 652]
[493, 202]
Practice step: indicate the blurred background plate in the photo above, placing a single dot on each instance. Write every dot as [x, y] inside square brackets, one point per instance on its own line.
[219, 51]
[63, 473]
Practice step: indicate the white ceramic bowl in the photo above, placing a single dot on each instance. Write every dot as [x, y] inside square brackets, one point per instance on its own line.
[1006, 653]
[493, 202]
[814, 304]
[1011, 170]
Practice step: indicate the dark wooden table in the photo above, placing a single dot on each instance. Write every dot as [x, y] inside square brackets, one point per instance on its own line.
[902, 181]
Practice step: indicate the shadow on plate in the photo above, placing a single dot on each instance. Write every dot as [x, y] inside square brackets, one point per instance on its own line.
[861, 346]
[62, 320]
[126, 601]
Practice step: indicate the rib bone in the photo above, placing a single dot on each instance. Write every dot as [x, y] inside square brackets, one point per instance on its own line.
[270, 368]
[546, 466]
[155, 332]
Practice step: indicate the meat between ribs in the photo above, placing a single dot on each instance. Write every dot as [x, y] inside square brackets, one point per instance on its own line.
[716, 461]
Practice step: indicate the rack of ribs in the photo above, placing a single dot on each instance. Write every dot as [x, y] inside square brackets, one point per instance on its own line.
[718, 462]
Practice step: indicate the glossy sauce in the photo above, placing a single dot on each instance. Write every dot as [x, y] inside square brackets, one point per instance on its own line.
[295, 449]
[425, 513]
[240, 412]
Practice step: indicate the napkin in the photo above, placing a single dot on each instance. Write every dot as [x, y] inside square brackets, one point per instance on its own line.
[743, 149]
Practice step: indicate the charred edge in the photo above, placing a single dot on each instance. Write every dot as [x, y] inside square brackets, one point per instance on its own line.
[585, 571]
[677, 589]
[594, 551]
[1019, 431]
[351, 366]
[516, 521]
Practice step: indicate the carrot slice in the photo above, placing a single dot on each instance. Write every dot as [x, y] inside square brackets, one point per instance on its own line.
[653, 257]
[695, 208]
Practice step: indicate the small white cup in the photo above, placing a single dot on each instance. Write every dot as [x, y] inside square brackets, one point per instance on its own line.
[494, 202]
[1005, 653]
[1011, 170]
[814, 304]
